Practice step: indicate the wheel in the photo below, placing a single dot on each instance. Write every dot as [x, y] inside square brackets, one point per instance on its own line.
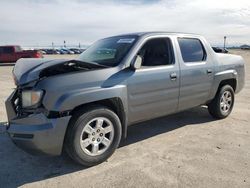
[222, 105]
[93, 135]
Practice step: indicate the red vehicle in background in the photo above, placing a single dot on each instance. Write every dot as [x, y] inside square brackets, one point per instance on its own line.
[13, 53]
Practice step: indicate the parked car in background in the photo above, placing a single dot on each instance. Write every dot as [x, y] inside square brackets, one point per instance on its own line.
[61, 51]
[220, 50]
[245, 47]
[65, 51]
[82, 50]
[49, 51]
[13, 53]
[68, 51]
[43, 51]
[52, 51]
[75, 50]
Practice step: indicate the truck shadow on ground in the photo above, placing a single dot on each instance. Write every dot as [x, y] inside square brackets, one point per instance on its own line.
[19, 168]
[142, 131]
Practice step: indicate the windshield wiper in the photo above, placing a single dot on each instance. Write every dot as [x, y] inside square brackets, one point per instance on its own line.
[91, 64]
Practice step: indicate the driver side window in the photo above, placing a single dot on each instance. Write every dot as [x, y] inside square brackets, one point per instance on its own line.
[157, 52]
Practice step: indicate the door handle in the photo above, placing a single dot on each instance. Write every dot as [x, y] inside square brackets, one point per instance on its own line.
[173, 76]
[209, 71]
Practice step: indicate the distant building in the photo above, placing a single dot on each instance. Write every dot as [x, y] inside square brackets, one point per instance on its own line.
[245, 47]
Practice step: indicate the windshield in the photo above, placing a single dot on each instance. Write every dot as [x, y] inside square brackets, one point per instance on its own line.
[109, 51]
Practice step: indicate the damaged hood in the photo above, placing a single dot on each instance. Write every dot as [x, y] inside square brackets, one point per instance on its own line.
[28, 70]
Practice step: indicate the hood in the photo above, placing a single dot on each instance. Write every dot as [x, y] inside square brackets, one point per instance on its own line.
[28, 70]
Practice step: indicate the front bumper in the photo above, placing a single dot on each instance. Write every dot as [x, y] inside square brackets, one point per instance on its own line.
[35, 133]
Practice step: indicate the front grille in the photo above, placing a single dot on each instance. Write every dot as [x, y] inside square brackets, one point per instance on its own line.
[15, 135]
[16, 102]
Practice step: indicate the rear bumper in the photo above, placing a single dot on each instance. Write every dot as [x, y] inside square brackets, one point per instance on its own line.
[35, 133]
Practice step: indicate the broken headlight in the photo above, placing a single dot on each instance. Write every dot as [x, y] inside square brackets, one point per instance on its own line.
[31, 98]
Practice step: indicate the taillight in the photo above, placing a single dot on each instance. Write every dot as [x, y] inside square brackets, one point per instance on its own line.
[38, 55]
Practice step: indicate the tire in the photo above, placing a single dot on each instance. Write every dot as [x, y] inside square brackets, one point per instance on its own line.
[93, 135]
[221, 106]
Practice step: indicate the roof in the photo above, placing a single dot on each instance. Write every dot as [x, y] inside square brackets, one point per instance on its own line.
[150, 33]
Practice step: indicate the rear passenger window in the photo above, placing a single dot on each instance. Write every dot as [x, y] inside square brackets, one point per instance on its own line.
[191, 50]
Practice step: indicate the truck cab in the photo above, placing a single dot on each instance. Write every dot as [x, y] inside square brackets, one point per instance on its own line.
[7, 53]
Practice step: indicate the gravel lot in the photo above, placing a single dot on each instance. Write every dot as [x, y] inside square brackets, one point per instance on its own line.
[189, 149]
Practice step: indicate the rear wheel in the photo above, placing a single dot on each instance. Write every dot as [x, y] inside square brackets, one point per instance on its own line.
[222, 105]
[93, 135]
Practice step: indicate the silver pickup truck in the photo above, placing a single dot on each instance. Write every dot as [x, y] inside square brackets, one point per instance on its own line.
[84, 105]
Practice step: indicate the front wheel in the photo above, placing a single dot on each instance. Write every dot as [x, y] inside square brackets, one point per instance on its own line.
[222, 105]
[93, 135]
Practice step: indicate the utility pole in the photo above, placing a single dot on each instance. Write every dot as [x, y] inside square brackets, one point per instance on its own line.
[53, 45]
[79, 45]
[225, 38]
[64, 44]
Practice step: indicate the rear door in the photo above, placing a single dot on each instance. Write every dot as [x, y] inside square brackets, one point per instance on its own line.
[197, 70]
[153, 89]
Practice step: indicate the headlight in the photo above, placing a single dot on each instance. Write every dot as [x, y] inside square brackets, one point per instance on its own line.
[31, 98]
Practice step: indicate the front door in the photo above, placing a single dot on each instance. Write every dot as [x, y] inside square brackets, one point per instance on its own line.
[153, 90]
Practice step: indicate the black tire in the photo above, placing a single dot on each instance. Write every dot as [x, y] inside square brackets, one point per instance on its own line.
[74, 133]
[214, 107]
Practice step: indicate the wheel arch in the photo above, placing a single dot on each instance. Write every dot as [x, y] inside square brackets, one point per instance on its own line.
[232, 82]
[223, 78]
[115, 104]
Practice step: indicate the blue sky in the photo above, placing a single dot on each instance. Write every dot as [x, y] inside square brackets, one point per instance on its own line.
[41, 22]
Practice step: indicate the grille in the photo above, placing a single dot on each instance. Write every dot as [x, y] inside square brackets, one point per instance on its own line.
[16, 101]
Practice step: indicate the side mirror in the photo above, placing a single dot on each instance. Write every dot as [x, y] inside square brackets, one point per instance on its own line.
[136, 63]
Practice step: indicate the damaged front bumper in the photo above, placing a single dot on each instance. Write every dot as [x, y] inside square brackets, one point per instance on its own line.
[3, 126]
[35, 133]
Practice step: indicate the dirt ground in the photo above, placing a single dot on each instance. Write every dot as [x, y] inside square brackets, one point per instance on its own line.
[189, 149]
